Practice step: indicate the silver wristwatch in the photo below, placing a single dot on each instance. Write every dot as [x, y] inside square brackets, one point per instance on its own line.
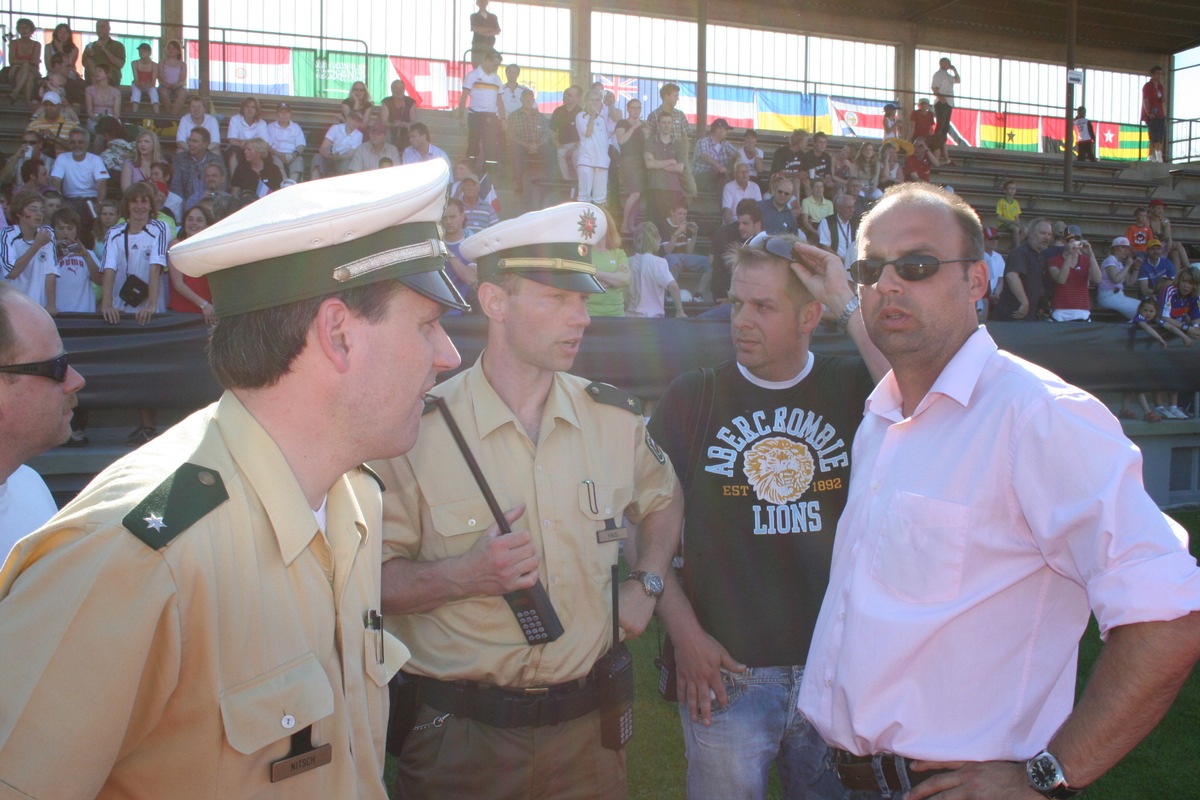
[652, 582]
[1046, 776]
[847, 312]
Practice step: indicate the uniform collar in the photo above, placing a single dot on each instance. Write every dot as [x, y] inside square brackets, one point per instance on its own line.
[268, 476]
[957, 380]
[491, 412]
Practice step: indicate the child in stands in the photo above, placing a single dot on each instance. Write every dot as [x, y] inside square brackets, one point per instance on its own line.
[1008, 212]
[145, 79]
[1149, 320]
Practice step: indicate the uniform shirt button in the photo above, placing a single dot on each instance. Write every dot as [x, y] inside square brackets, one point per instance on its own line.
[288, 721]
[545, 523]
[828, 683]
[470, 522]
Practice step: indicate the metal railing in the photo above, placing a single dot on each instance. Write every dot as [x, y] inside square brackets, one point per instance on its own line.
[226, 37]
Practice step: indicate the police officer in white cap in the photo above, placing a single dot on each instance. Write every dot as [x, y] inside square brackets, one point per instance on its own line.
[567, 460]
[203, 620]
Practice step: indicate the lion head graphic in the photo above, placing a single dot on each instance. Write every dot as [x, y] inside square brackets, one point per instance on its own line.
[779, 469]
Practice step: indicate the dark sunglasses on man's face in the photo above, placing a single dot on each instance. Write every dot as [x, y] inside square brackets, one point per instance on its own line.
[55, 368]
[913, 267]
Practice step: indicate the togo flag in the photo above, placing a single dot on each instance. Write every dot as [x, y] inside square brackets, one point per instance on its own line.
[1121, 142]
[242, 68]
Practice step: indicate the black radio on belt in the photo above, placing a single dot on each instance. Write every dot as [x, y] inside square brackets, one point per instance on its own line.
[534, 612]
[614, 685]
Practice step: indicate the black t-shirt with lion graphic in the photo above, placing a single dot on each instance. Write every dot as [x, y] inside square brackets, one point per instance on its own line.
[764, 483]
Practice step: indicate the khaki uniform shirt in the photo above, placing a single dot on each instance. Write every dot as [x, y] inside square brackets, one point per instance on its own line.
[183, 671]
[593, 463]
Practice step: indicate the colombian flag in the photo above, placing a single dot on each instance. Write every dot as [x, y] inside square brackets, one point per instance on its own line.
[1121, 142]
[1009, 131]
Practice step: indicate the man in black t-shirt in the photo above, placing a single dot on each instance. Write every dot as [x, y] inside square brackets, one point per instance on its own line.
[818, 165]
[762, 447]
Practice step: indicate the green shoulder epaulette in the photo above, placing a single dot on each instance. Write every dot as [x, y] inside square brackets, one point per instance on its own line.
[176, 504]
[374, 475]
[612, 396]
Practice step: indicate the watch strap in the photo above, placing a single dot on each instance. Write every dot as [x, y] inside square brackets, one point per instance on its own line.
[844, 320]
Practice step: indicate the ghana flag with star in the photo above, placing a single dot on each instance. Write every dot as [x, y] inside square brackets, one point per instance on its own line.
[1005, 131]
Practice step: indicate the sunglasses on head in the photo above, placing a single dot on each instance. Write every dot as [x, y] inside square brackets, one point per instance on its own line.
[774, 245]
[54, 368]
[913, 267]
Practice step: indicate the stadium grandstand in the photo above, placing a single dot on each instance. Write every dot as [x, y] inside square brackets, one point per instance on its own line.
[770, 66]
[1079, 115]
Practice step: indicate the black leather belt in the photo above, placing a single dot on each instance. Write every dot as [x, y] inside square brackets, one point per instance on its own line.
[858, 772]
[534, 707]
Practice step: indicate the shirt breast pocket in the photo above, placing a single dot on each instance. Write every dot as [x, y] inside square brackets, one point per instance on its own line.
[460, 523]
[603, 508]
[921, 551]
[275, 705]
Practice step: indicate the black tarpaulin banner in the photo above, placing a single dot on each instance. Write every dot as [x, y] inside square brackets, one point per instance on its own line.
[164, 364]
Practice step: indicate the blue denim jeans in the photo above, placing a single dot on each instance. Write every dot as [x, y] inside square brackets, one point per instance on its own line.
[730, 759]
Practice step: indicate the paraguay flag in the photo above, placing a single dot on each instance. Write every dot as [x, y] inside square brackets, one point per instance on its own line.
[245, 69]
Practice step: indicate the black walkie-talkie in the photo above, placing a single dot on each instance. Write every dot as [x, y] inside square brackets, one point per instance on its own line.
[532, 607]
[614, 684]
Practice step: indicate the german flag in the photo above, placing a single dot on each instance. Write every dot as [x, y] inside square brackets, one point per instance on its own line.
[1121, 142]
[1009, 131]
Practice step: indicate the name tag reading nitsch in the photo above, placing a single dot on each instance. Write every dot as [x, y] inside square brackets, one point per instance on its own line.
[611, 532]
[303, 758]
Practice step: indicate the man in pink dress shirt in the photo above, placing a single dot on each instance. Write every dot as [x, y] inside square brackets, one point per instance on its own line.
[992, 509]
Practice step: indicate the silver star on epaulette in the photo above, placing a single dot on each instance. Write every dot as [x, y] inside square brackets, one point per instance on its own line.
[630, 402]
[155, 521]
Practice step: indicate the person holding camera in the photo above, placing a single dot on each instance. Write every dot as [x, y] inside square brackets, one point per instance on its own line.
[1070, 272]
[679, 248]
[942, 85]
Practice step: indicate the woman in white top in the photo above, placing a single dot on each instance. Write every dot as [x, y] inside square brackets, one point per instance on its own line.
[244, 126]
[650, 277]
[595, 128]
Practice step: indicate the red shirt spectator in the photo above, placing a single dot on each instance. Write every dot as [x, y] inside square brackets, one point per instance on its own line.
[920, 122]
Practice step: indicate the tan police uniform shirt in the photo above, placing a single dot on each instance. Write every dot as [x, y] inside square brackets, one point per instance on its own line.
[183, 672]
[593, 463]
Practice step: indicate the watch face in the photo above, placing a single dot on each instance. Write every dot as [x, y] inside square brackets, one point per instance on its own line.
[654, 584]
[1043, 773]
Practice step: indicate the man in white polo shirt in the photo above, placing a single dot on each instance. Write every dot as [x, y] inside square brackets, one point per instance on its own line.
[486, 118]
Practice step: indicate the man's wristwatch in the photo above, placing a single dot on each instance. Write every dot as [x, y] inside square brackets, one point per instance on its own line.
[847, 312]
[1046, 776]
[652, 582]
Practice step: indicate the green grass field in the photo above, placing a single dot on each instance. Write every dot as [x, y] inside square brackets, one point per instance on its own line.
[1165, 765]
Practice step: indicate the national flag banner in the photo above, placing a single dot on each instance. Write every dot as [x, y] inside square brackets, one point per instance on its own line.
[433, 84]
[862, 118]
[1054, 134]
[547, 84]
[243, 68]
[964, 127]
[1009, 131]
[789, 111]
[735, 104]
[1121, 142]
[622, 89]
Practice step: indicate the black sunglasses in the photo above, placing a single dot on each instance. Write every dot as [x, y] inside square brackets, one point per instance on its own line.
[913, 267]
[55, 368]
